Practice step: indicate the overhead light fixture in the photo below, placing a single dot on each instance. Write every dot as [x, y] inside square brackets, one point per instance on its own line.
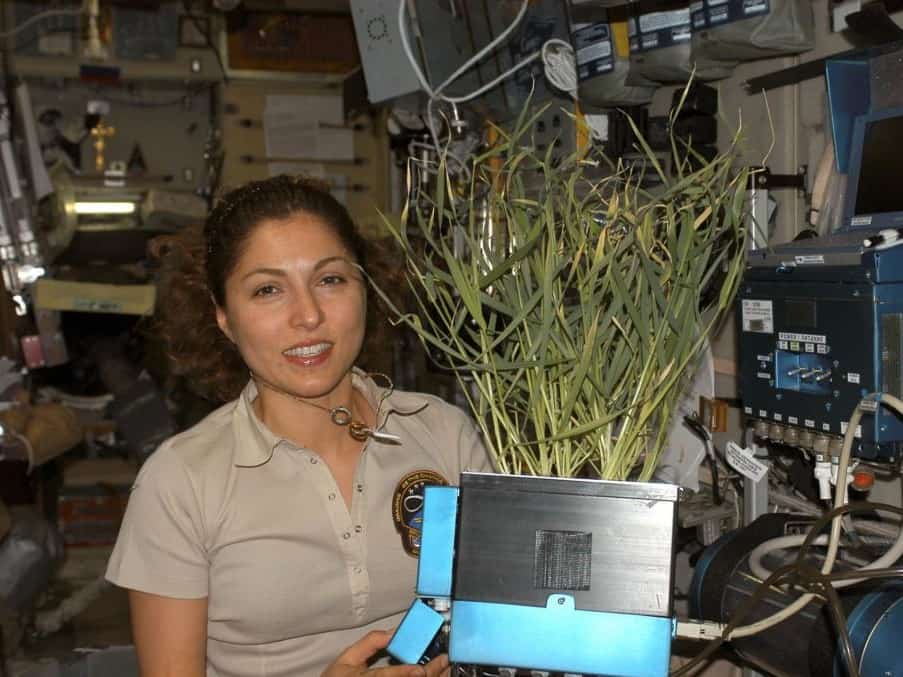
[120, 207]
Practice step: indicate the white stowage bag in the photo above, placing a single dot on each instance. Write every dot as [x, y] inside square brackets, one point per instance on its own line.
[603, 62]
[660, 48]
[743, 30]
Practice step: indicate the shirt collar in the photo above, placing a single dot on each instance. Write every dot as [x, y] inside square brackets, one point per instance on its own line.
[255, 442]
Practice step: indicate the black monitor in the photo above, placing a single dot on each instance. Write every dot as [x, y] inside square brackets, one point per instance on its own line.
[875, 182]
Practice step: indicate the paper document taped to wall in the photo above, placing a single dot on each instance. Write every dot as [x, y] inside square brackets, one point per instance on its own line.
[308, 126]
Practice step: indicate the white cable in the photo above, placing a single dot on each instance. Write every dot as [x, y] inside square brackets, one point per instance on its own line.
[840, 495]
[772, 545]
[472, 61]
[436, 94]
[560, 65]
[889, 558]
[489, 85]
[406, 47]
[40, 16]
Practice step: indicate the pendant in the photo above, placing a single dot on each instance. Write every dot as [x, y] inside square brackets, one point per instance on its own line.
[386, 438]
[358, 431]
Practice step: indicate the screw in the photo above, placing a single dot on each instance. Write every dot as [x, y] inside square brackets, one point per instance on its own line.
[561, 600]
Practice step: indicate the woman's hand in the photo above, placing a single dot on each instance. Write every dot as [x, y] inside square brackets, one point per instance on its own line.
[353, 661]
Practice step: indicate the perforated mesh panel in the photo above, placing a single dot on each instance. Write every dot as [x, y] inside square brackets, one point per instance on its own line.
[562, 560]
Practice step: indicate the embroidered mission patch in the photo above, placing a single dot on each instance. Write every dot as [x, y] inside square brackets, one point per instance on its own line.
[407, 506]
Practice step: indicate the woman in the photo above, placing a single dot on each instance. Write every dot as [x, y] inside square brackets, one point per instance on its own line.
[262, 541]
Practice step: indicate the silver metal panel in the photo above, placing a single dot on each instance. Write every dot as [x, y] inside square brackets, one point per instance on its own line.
[386, 67]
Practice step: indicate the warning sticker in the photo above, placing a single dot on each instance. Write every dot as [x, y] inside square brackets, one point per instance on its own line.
[757, 316]
[744, 462]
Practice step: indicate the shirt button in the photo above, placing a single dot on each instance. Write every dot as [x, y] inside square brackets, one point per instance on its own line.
[331, 497]
[358, 529]
[357, 570]
[360, 488]
[346, 535]
[313, 460]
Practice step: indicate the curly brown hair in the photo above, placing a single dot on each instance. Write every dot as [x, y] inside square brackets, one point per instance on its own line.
[197, 262]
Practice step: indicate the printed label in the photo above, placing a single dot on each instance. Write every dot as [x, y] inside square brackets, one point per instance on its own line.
[822, 349]
[809, 423]
[757, 316]
[852, 378]
[764, 375]
[846, 424]
[809, 259]
[810, 347]
[778, 417]
[728, 11]
[782, 345]
[763, 413]
[802, 338]
[861, 221]
[747, 410]
[593, 49]
[744, 462]
[764, 358]
[657, 30]
[697, 15]
[793, 420]
[826, 427]
[795, 346]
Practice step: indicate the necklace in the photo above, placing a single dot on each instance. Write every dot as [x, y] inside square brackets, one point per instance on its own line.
[340, 416]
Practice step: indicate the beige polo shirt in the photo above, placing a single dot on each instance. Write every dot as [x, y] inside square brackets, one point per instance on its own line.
[230, 511]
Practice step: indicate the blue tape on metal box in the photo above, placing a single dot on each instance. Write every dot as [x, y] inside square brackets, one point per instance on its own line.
[415, 633]
[437, 542]
[560, 638]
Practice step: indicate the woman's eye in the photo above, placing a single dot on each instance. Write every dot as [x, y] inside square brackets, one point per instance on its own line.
[266, 290]
[329, 280]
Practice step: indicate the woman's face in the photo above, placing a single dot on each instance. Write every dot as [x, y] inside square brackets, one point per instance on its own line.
[296, 306]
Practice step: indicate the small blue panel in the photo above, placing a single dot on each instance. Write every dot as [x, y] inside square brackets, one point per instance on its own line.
[437, 541]
[848, 97]
[415, 633]
[560, 638]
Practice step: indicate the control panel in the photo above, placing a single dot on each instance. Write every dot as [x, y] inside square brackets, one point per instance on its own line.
[811, 349]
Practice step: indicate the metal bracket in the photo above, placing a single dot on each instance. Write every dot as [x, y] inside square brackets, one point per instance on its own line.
[813, 69]
[766, 180]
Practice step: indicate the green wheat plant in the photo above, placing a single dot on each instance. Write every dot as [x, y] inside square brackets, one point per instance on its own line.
[573, 302]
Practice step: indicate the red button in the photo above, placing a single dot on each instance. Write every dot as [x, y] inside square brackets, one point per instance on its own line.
[863, 480]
